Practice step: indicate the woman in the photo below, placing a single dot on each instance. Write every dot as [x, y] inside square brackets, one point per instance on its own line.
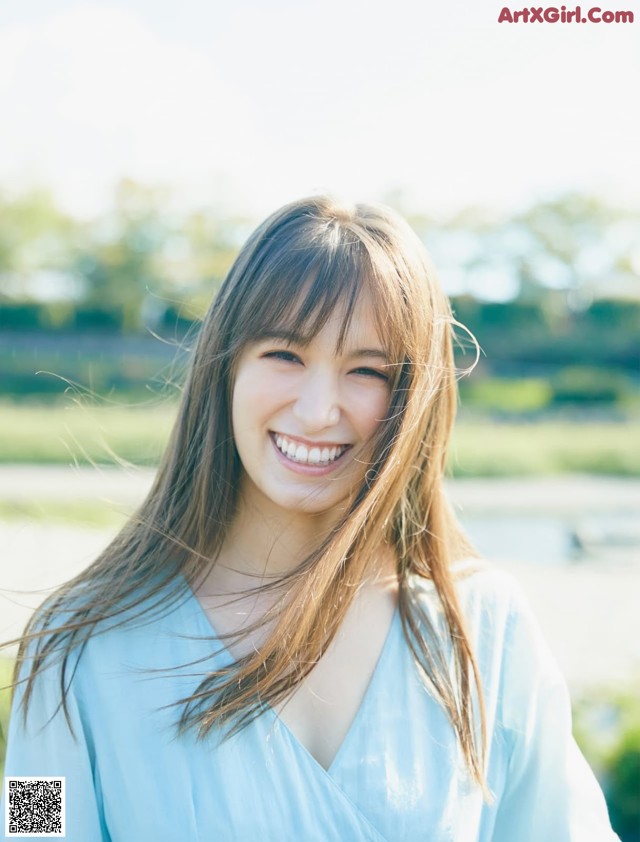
[292, 639]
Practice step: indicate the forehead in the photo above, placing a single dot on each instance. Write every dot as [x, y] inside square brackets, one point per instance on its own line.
[346, 323]
[357, 321]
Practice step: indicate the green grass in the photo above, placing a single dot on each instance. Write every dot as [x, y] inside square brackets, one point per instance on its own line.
[74, 512]
[76, 434]
[483, 448]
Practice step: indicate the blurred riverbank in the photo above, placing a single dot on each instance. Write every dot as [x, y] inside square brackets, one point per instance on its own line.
[570, 541]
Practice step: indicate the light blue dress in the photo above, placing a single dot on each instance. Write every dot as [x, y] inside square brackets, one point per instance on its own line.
[398, 775]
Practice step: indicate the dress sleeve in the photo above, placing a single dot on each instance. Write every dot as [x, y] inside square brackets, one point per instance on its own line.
[45, 747]
[550, 791]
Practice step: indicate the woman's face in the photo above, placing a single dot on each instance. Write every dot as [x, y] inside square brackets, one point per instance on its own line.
[303, 418]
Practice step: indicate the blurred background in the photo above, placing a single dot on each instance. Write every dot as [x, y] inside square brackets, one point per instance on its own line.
[141, 143]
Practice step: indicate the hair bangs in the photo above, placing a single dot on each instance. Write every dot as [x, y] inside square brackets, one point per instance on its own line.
[297, 295]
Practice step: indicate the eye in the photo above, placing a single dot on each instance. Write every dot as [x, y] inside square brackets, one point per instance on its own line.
[287, 356]
[371, 372]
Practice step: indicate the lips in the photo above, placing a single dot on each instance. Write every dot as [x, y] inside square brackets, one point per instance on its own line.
[320, 454]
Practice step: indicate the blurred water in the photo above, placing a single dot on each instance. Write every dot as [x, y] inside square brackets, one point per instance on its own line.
[554, 540]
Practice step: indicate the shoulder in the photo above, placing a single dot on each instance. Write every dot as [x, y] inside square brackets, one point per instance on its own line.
[116, 673]
[93, 636]
[509, 642]
[485, 592]
[504, 633]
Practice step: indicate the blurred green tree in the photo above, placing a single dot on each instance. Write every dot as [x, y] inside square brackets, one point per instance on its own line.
[34, 234]
[116, 254]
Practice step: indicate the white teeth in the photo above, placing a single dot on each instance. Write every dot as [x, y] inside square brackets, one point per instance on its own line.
[312, 456]
[315, 455]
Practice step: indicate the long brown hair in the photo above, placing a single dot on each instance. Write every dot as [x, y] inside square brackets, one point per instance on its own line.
[174, 537]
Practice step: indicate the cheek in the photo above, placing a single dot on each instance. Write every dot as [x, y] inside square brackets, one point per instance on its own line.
[369, 411]
[256, 396]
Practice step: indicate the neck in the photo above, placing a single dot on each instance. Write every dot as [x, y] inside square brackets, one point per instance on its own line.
[263, 544]
[266, 543]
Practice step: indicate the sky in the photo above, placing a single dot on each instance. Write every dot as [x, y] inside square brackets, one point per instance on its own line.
[247, 105]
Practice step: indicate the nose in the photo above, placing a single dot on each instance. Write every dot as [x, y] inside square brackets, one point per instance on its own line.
[317, 403]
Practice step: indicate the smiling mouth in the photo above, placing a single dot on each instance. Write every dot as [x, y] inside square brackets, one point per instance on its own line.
[304, 455]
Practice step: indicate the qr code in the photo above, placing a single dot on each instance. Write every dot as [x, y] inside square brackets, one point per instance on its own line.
[35, 807]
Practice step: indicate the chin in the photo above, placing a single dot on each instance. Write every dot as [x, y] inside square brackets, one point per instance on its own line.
[310, 505]
[307, 507]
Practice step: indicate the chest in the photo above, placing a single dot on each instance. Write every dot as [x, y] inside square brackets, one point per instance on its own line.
[383, 774]
[322, 709]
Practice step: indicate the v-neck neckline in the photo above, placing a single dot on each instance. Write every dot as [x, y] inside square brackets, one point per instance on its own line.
[273, 714]
[365, 703]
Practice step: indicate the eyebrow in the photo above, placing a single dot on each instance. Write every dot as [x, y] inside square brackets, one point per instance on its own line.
[296, 339]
